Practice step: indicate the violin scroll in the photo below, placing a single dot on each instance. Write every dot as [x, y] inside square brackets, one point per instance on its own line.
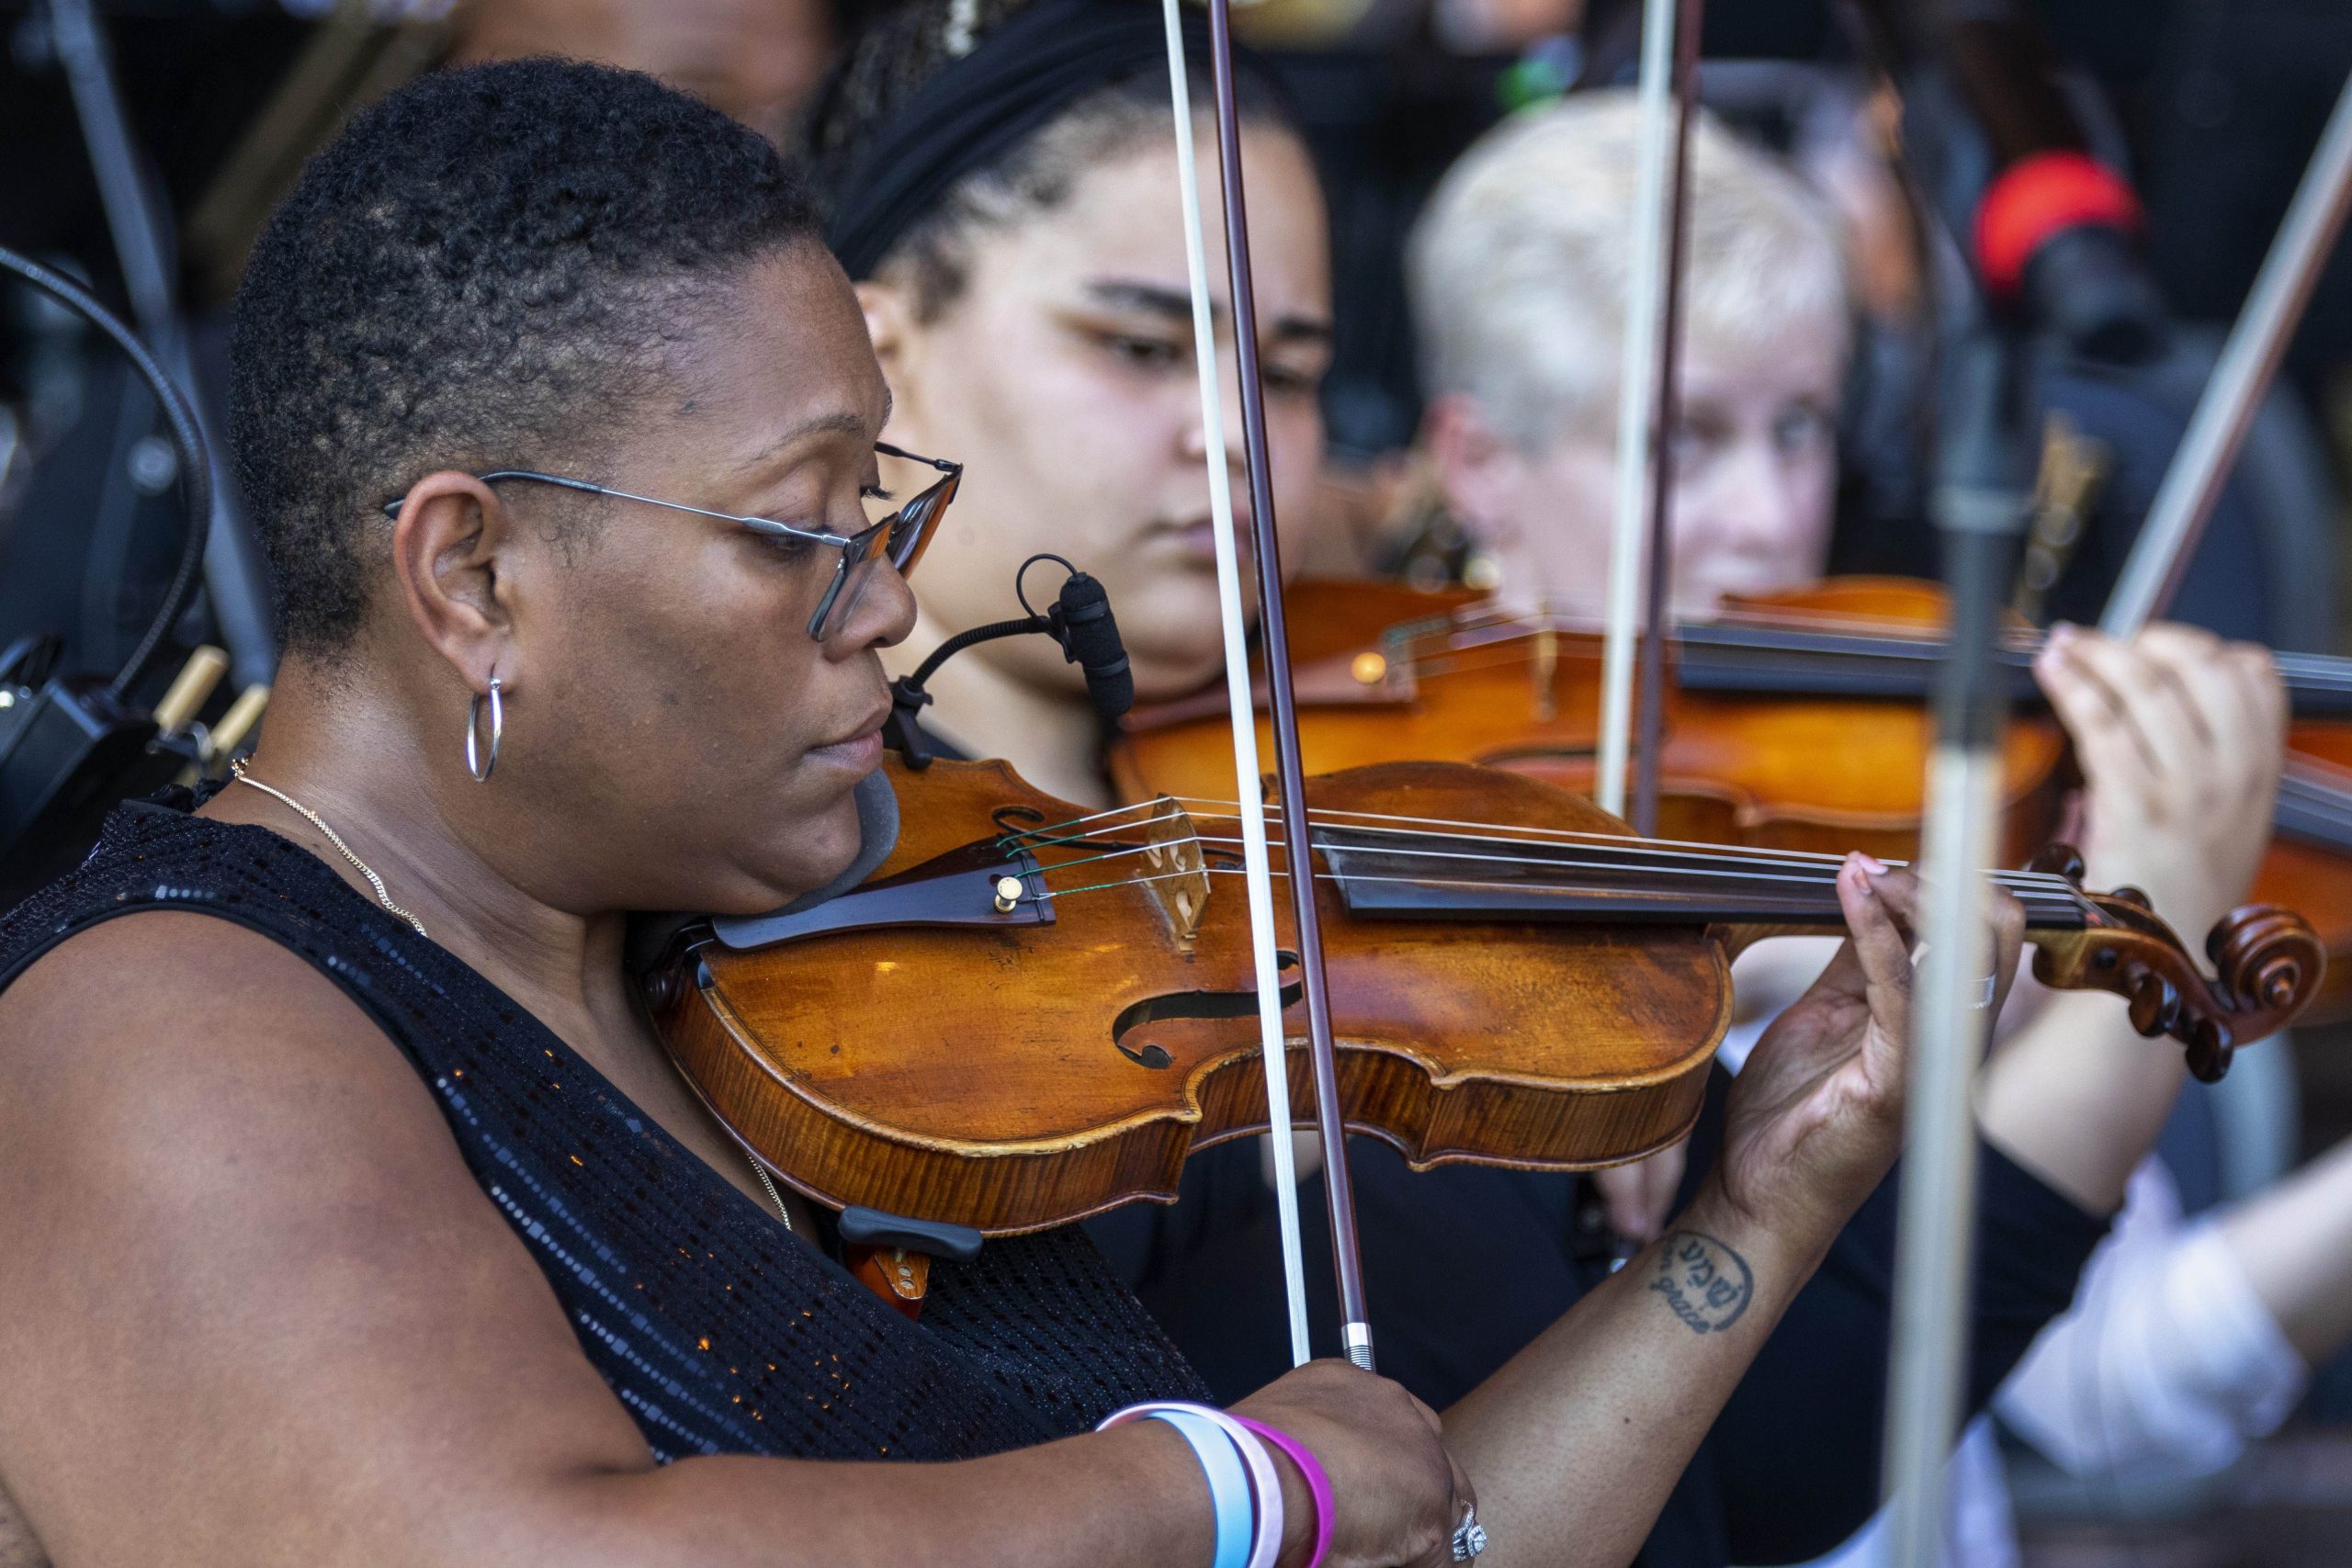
[2268, 955]
[2266, 961]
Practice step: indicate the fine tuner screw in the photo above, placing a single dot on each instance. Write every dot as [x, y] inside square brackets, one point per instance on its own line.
[1008, 894]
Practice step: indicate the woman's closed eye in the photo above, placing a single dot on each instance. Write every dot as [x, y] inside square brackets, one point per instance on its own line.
[791, 546]
[1291, 380]
[873, 496]
[1144, 351]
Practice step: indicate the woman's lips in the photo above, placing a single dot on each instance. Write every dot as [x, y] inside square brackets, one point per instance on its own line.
[861, 752]
[1197, 539]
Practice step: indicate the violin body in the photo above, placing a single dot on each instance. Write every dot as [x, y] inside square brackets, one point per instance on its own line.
[1031, 1013]
[1010, 1076]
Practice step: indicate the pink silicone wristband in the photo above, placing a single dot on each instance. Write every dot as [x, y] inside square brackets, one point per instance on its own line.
[1319, 1485]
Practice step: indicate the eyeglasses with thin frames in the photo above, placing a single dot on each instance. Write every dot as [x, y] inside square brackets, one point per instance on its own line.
[900, 538]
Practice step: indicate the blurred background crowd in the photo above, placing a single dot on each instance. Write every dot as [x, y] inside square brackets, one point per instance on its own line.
[141, 144]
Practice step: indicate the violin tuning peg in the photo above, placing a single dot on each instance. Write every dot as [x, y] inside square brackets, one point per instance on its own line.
[2209, 1052]
[2155, 1003]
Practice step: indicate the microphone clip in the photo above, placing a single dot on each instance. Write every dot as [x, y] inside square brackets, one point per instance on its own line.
[1078, 620]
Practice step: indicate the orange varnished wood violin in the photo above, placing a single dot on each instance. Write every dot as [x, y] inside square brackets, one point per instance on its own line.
[1793, 721]
[1031, 1013]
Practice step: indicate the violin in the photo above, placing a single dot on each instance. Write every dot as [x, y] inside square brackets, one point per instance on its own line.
[1032, 1013]
[1792, 721]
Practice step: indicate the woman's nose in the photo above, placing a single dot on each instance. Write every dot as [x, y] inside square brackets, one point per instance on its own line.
[1195, 446]
[1747, 502]
[884, 615]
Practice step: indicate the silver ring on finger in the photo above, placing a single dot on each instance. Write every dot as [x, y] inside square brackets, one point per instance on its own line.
[1469, 1536]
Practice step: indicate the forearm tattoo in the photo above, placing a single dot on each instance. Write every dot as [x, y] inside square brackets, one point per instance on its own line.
[1706, 1284]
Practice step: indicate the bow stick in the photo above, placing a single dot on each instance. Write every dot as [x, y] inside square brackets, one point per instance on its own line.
[1257, 875]
[1641, 383]
[1664, 417]
[2281, 292]
[1355, 1332]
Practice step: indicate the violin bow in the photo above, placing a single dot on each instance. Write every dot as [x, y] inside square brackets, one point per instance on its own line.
[2209, 449]
[1355, 1328]
[1650, 721]
[1641, 545]
[1248, 790]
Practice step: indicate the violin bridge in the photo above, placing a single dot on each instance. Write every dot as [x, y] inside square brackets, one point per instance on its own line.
[1177, 873]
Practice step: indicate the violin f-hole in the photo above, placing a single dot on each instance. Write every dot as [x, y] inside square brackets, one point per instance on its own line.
[1179, 1005]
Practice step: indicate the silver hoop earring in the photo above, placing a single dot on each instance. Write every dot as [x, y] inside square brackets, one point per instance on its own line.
[475, 765]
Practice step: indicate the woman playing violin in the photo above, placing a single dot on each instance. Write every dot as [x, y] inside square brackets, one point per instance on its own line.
[351, 1213]
[1050, 277]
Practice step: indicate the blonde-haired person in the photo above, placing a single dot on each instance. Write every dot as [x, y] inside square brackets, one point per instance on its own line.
[1520, 268]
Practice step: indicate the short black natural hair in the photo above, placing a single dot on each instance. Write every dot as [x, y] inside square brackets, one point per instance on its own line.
[478, 271]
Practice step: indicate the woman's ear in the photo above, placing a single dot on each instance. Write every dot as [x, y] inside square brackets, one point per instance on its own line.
[889, 321]
[449, 548]
[1480, 473]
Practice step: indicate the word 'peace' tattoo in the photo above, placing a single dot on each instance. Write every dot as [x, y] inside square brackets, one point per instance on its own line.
[1706, 1284]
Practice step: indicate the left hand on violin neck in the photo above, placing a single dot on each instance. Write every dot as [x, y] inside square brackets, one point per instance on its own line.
[1816, 1115]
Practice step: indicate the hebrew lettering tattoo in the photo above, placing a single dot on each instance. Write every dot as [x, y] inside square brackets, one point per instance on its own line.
[1706, 1284]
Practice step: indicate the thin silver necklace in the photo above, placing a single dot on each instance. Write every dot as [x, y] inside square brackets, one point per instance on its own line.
[237, 772]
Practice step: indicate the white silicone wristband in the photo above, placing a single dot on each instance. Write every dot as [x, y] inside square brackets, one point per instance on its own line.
[1265, 1482]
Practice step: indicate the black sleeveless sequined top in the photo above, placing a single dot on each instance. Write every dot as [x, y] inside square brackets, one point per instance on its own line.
[721, 1332]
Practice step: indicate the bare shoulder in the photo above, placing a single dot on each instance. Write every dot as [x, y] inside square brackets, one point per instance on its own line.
[229, 1207]
[194, 966]
[175, 1087]
[197, 1021]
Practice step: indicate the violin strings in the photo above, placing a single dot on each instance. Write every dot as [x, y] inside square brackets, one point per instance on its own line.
[1529, 833]
[1628, 856]
[1760, 632]
[1364, 822]
[2314, 793]
[2027, 882]
[2316, 779]
[2030, 886]
[1749, 631]
[2315, 808]
[2048, 907]
[1496, 834]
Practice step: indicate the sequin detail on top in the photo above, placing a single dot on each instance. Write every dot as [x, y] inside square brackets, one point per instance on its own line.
[719, 1331]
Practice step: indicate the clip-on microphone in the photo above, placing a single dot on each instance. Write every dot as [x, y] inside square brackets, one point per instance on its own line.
[1080, 620]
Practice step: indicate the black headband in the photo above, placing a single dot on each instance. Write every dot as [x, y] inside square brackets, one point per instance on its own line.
[1043, 59]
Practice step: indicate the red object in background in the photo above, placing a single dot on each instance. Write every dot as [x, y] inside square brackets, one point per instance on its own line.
[2041, 196]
